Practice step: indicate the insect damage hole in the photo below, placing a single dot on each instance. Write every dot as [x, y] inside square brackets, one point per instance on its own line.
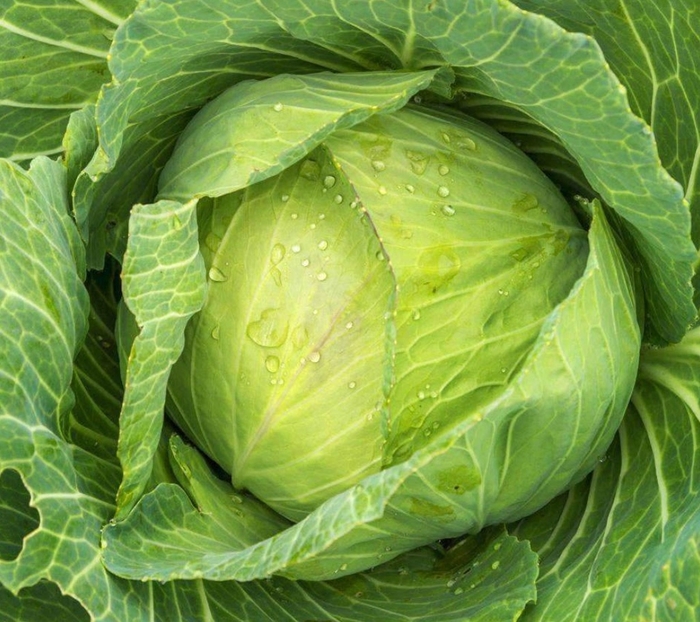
[17, 517]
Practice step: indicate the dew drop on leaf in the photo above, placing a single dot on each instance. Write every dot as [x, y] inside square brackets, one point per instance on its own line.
[215, 274]
[277, 254]
[467, 143]
[310, 170]
[525, 203]
[270, 331]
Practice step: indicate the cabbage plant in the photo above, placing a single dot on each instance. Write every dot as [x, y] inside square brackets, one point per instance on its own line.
[349, 311]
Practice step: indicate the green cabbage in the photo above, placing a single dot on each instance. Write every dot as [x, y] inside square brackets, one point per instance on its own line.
[349, 310]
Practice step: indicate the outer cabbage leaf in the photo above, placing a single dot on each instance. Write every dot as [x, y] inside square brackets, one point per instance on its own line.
[53, 61]
[168, 59]
[624, 543]
[652, 51]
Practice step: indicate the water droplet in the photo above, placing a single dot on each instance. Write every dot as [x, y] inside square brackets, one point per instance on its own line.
[296, 248]
[427, 432]
[305, 262]
[443, 169]
[379, 255]
[315, 356]
[410, 188]
[500, 292]
[270, 331]
[272, 364]
[322, 245]
[352, 385]
[378, 165]
[294, 216]
[503, 370]
[419, 161]
[310, 170]
[451, 582]
[215, 332]
[443, 191]
[497, 546]
[520, 254]
[321, 276]
[448, 210]
[525, 203]
[421, 395]
[416, 315]
[349, 325]
[217, 275]
[353, 204]
[458, 591]
[276, 276]
[329, 181]
[446, 137]
[382, 190]
[495, 565]
[277, 254]
[278, 107]
[284, 198]
[403, 571]
[442, 263]
[321, 216]
[417, 99]
[312, 225]
[343, 567]
[467, 143]
[338, 198]
[370, 416]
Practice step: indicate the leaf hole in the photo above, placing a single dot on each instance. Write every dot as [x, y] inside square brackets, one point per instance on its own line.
[17, 517]
[44, 601]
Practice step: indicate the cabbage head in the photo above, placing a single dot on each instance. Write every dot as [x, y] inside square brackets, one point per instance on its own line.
[349, 311]
[383, 289]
